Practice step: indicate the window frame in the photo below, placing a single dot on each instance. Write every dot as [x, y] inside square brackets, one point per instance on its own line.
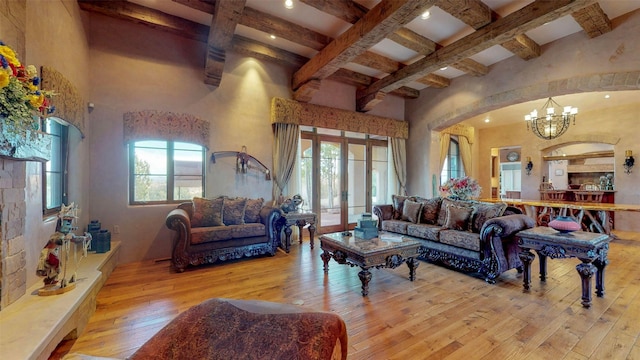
[63, 157]
[459, 172]
[170, 173]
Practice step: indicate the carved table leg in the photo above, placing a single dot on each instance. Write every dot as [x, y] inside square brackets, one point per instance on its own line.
[586, 271]
[413, 265]
[526, 256]
[543, 266]
[365, 277]
[600, 265]
[326, 256]
[312, 231]
[287, 238]
[300, 224]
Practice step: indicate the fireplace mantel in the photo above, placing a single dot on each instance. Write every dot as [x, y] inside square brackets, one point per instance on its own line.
[32, 146]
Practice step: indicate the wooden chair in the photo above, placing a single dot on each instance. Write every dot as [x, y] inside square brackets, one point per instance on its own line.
[545, 186]
[588, 196]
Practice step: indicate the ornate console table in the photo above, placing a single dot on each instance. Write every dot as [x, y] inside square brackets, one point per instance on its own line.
[299, 219]
[590, 248]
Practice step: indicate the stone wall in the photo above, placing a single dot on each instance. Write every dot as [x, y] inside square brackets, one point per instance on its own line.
[13, 273]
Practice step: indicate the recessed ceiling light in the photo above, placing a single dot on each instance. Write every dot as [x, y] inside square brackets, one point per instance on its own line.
[272, 36]
[444, 68]
[288, 4]
[425, 15]
[486, 120]
[607, 96]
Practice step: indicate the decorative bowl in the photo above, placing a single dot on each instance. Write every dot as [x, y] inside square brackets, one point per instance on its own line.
[564, 224]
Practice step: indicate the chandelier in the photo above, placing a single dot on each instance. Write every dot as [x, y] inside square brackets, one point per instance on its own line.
[552, 121]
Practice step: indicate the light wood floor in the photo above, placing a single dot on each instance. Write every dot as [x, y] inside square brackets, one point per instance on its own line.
[443, 314]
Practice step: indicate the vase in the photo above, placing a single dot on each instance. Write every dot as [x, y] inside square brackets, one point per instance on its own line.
[564, 224]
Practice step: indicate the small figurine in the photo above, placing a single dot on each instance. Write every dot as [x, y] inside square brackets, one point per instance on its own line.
[49, 263]
[292, 205]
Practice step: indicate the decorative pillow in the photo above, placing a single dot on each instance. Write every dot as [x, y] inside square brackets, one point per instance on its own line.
[442, 214]
[207, 212]
[398, 202]
[458, 217]
[252, 210]
[233, 211]
[411, 211]
[484, 212]
[430, 210]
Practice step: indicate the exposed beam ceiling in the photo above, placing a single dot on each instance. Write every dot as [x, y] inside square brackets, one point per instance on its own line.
[362, 53]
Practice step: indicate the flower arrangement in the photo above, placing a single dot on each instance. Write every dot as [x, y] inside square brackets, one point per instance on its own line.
[21, 100]
[462, 188]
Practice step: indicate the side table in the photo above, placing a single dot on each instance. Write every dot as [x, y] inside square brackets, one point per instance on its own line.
[299, 219]
[590, 248]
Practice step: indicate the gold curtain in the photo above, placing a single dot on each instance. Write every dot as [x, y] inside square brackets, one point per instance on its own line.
[293, 112]
[465, 135]
[164, 125]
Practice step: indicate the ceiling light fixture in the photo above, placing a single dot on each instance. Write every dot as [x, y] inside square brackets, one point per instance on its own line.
[425, 15]
[554, 123]
[607, 96]
[486, 120]
[272, 36]
[444, 68]
[288, 4]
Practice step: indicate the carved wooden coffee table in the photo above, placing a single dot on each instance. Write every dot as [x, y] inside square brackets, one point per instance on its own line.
[367, 254]
[590, 248]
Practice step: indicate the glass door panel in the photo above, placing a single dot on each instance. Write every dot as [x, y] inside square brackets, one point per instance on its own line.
[331, 195]
[379, 175]
[356, 179]
[306, 173]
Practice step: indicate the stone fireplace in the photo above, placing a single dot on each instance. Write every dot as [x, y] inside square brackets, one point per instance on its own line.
[13, 272]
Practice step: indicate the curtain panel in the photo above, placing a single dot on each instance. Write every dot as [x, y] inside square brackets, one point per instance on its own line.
[285, 147]
[163, 125]
[465, 135]
[285, 111]
[399, 153]
[69, 104]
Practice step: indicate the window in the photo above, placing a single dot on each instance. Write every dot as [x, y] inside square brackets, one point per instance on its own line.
[165, 171]
[452, 168]
[54, 189]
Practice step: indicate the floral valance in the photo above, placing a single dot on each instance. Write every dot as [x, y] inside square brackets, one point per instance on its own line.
[70, 106]
[293, 112]
[164, 125]
[461, 130]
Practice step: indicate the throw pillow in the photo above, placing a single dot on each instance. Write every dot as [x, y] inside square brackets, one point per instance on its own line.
[458, 217]
[233, 211]
[207, 212]
[484, 212]
[411, 211]
[252, 210]
[430, 210]
[442, 214]
[398, 202]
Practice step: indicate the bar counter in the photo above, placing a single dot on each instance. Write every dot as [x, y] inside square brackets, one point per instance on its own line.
[593, 216]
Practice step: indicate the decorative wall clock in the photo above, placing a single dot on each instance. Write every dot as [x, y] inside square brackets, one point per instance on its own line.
[513, 156]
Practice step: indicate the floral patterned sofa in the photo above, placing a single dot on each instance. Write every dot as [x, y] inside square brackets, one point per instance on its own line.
[470, 236]
[224, 228]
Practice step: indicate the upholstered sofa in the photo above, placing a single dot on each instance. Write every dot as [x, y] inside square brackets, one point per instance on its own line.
[469, 236]
[245, 329]
[211, 230]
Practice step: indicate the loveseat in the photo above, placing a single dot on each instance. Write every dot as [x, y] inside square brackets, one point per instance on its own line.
[469, 236]
[224, 228]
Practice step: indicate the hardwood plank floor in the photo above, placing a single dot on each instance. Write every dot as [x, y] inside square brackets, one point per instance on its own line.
[443, 314]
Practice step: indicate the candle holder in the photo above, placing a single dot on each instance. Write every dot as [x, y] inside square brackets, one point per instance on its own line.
[529, 166]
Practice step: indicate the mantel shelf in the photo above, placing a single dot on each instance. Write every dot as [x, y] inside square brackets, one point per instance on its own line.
[34, 146]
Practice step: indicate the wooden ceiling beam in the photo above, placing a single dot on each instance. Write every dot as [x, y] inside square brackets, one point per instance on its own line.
[414, 41]
[223, 24]
[502, 30]
[262, 51]
[155, 19]
[474, 13]
[523, 46]
[362, 80]
[435, 81]
[375, 25]
[347, 10]
[593, 20]
[471, 67]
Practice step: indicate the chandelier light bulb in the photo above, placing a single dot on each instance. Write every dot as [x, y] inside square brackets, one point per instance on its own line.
[551, 111]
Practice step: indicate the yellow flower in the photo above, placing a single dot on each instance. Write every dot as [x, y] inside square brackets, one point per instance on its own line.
[4, 78]
[36, 100]
[8, 54]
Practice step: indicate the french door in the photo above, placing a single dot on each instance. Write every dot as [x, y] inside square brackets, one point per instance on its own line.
[344, 176]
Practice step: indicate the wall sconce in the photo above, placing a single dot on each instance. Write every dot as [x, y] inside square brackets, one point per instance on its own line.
[628, 161]
[529, 165]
